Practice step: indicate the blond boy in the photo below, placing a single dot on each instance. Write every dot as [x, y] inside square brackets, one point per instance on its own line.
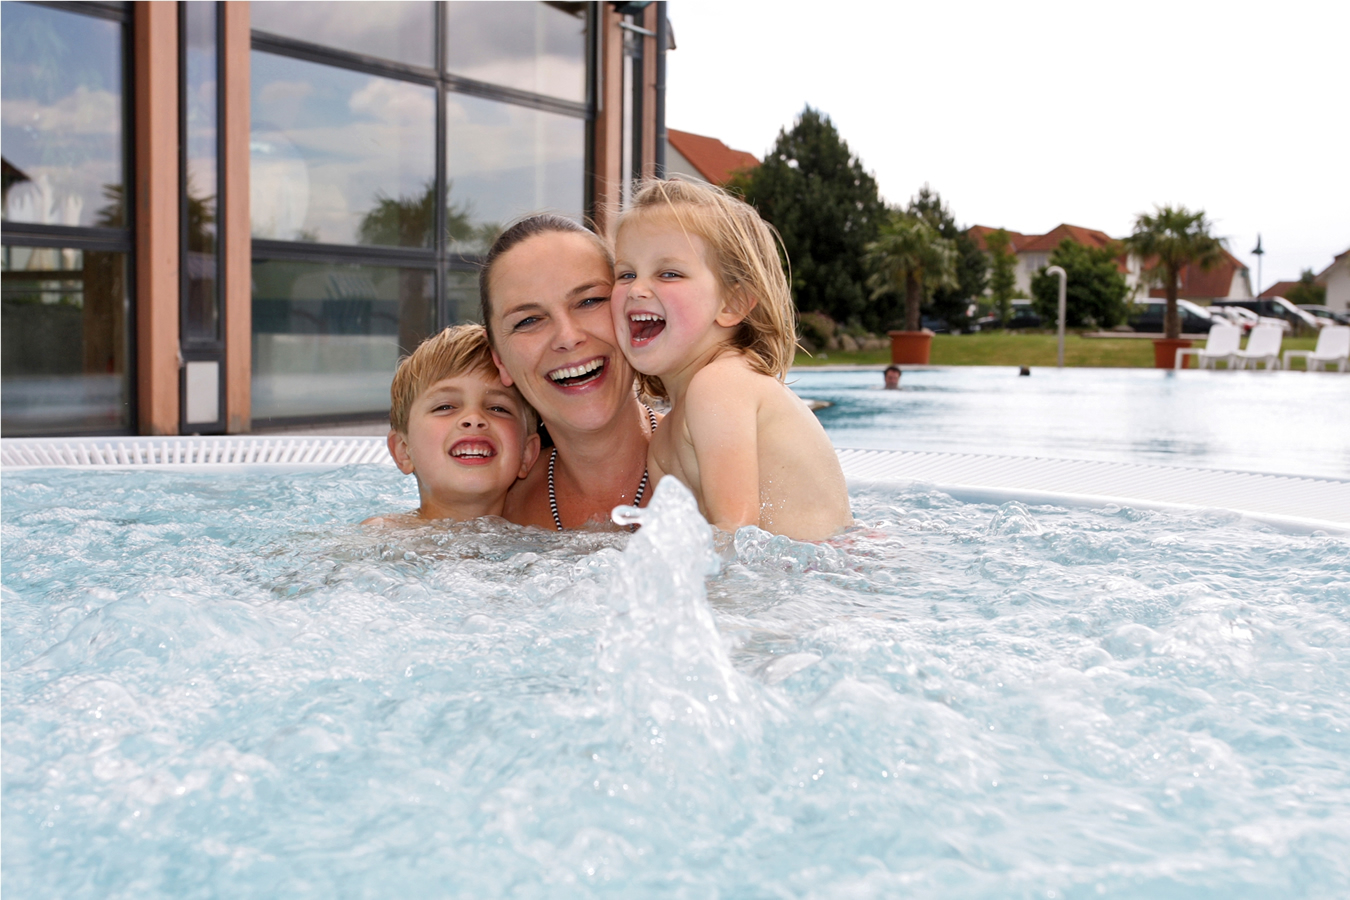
[453, 425]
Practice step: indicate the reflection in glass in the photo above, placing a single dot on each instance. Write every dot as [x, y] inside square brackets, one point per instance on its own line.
[461, 291]
[504, 161]
[202, 310]
[61, 105]
[403, 32]
[331, 147]
[64, 360]
[327, 336]
[536, 47]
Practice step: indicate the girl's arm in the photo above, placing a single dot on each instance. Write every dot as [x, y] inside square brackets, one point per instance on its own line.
[723, 428]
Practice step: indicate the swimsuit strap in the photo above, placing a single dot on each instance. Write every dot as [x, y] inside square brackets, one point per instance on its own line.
[553, 490]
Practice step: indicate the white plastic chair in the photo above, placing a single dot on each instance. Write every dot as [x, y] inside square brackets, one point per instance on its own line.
[1262, 345]
[1333, 346]
[1222, 343]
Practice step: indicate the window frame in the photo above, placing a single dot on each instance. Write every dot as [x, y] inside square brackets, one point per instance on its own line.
[438, 258]
[93, 237]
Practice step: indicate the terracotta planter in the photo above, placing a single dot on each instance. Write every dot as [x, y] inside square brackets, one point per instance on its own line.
[910, 347]
[1165, 352]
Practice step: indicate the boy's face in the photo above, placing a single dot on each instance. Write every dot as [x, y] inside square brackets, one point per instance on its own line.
[668, 307]
[467, 443]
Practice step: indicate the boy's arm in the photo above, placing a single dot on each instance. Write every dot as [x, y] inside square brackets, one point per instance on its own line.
[722, 423]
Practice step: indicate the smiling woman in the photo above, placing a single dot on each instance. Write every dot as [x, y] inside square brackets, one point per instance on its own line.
[545, 288]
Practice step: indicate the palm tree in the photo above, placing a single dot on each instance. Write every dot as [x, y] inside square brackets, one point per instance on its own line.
[910, 257]
[1174, 237]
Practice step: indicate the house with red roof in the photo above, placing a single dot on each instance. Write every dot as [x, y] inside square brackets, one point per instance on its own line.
[704, 158]
[1278, 289]
[1336, 279]
[1033, 251]
[1227, 280]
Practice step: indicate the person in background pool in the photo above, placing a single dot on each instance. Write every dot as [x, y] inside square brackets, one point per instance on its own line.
[545, 292]
[454, 425]
[703, 309]
[892, 377]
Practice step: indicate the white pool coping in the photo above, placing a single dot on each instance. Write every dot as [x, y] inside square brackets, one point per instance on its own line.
[1290, 502]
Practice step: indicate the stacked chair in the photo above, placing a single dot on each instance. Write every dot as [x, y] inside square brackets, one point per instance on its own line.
[1263, 345]
[1333, 348]
[1222, 344]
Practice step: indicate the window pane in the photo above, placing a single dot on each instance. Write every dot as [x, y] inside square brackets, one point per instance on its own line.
[461, 289]
[537, 47]
[327, 337]
[64, 360]
[199, 102]
[505, 161]
[340, 157]
[403, 32]
[61, 105]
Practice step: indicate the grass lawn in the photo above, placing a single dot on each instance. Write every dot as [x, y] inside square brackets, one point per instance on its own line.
[996, 348]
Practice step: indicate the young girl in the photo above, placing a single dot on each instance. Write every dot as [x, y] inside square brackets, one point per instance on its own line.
[702, 309]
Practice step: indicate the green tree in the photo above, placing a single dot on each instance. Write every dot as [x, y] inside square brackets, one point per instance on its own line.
[1168, 240]
[972, 267]
[1095, 290]
[1307, 290]
[912, 258]
[827, 210]
[1002, 273]
[409, 221]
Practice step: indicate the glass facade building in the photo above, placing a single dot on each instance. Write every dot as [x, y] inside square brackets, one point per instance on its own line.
[229, 216]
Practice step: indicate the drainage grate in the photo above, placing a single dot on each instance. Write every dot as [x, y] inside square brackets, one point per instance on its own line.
[243, 450]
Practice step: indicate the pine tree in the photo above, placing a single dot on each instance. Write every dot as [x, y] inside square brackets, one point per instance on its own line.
[826, 207]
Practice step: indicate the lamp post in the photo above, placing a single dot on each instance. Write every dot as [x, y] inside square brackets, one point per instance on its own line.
[1258, 253]
[1063, 304]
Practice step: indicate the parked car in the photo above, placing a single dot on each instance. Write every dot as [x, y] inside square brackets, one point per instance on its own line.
[1023, 316]
[1337, 316]
[1243, 318]
[1276, 308]
[935, 325]
[1147, 315]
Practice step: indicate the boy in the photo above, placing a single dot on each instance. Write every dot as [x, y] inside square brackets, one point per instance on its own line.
[454, 425]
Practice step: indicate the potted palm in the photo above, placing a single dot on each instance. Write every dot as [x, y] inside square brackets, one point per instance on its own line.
[912, 258]
[1167, 241]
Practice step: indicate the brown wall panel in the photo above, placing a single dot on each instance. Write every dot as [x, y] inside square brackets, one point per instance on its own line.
[236, 236]
[155, 37]
[609, 119]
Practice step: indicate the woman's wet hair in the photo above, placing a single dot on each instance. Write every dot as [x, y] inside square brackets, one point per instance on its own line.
[518, 233]
[745, 259]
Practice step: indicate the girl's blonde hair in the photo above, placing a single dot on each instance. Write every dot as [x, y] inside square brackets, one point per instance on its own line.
[744, 260]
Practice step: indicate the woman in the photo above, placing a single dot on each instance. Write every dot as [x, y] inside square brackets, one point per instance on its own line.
[545, 289]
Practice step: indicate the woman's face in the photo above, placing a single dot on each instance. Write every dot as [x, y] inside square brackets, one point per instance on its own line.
[553, 332]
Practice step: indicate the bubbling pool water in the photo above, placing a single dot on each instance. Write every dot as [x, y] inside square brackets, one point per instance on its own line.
[217, 686]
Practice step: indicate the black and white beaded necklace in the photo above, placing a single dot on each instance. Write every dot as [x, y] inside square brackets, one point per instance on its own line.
[553, 461]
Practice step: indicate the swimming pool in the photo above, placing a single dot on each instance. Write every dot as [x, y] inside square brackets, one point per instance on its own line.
[215, 685]
[1290, 423]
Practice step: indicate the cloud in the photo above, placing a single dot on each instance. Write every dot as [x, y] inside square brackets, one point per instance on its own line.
[82, 112]
[395, 101]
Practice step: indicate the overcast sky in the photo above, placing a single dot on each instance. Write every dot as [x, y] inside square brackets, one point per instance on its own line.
[1025, 115]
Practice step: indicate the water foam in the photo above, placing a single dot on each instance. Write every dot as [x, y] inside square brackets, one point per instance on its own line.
[217, 686]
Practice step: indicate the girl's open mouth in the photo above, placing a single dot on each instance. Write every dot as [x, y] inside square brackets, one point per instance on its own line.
[644, 327]
[580, 374]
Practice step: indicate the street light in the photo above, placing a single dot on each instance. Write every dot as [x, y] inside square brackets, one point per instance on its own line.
[1063, 304]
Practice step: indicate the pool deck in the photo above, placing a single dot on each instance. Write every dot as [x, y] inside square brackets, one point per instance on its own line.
[1286, 501]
